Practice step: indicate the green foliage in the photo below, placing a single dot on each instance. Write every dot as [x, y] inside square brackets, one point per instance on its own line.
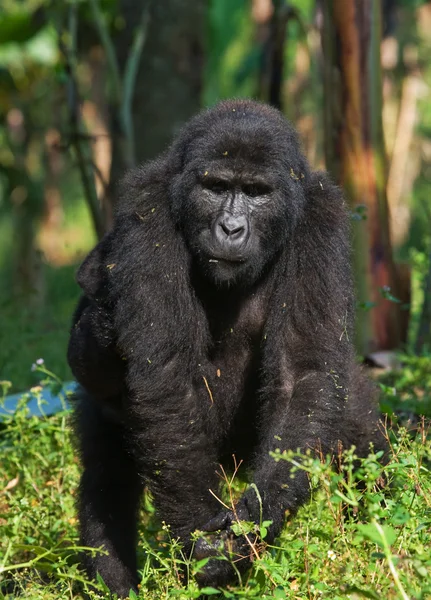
[407, 392]
[20, 22]
[230, 44]
[234, 52]
[29, 333]
[366, 533]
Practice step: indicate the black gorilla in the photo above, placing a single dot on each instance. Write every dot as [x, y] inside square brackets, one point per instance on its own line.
[216, 320]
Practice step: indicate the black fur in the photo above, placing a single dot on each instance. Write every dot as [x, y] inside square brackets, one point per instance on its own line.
[185, 359]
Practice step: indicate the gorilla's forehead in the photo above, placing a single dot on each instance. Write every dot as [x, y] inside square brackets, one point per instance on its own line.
[244, 140]
[237, 146]
[244, 135]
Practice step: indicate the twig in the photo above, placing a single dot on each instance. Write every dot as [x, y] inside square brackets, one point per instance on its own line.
[108, 46]
[219, 499]
[232, 502]
[100, 177]
[208, 389]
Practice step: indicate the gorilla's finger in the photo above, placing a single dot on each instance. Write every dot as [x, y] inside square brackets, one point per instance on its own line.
[220, 521]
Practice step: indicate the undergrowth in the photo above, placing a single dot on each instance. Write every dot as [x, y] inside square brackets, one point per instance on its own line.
[366, 532]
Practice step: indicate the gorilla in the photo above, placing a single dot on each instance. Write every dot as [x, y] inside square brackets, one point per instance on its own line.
[216, 320]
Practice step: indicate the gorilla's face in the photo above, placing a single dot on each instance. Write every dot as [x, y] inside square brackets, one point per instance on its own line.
[236, 205]
[234, 218]
[233, 222]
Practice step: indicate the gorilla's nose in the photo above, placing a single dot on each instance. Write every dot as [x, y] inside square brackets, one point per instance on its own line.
[231, 230]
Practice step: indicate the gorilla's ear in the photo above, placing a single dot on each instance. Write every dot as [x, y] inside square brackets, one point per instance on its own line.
[92, 274]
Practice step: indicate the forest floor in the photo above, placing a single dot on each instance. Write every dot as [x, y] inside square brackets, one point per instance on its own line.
[349, 541]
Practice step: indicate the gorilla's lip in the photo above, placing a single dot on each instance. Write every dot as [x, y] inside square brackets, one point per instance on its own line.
[214, 258]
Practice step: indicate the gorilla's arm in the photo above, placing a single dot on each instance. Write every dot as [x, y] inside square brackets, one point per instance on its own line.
[308, 355]
[161, 340]
[92, 352]
[162, 333]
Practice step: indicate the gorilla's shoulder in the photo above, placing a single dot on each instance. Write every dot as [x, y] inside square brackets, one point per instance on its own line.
[144, 188]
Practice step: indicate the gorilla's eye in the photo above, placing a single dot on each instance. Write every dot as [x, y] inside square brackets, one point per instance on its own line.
[218, 186]
[253, 190]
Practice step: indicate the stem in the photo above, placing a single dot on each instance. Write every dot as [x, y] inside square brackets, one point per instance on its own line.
[123, 88]
[388, 556]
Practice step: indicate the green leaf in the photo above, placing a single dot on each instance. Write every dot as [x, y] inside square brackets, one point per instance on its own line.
[243, 527]
[370, 532]
[400, 517]
[264, 529]
[20, 26]
[201, 563]
[385, 291]
[102, 584]
[209, 591]
[420, 568]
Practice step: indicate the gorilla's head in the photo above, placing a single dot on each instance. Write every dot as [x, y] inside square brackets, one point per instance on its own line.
[239, 190]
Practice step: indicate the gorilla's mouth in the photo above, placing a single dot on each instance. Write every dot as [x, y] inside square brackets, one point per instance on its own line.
[227, 259]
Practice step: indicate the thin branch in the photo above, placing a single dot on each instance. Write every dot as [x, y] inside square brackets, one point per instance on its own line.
[109, 48]
[388, 555]
[123, 87]
[130, 75]
[208, 389]
[76, 137]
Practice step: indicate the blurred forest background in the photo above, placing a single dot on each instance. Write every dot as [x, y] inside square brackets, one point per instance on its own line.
[89, 88]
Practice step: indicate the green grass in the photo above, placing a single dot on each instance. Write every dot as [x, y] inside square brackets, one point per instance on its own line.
[29, 331]
[345, 543]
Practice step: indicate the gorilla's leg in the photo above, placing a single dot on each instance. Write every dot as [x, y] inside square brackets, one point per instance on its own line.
[108, 498]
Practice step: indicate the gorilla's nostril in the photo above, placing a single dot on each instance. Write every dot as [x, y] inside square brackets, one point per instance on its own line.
[237, 230]
[231, 230]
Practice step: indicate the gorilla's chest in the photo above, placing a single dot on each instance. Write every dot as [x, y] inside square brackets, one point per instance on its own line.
[236, 354]
[237, 363]
[236, 335]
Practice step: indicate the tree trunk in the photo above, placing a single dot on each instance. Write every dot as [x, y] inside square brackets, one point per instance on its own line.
[355, 155]
[168, 85]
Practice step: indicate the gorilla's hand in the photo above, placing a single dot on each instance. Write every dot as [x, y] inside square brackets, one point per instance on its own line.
[233, 553]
